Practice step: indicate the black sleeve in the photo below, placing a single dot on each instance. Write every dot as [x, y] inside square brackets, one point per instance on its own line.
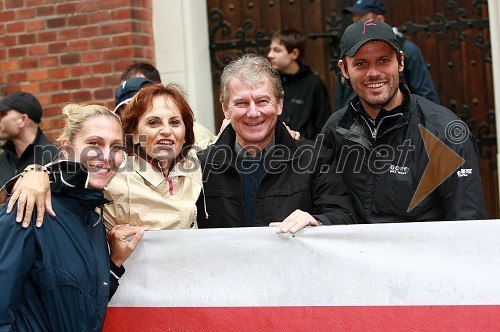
[8, 187]
[332, 200]
[115, 273]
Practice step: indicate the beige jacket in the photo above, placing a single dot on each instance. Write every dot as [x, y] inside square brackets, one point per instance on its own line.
[201, 133]
[141, 195]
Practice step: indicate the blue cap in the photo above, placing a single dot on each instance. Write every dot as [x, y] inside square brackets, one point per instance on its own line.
[366, 6]
[128, 89]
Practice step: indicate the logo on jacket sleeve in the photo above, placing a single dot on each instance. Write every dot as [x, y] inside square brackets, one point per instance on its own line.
[403, 170]
[297, 101]
[464, 172]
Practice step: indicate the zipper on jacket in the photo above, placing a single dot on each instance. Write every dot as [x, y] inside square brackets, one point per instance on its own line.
[375, 131]
[385, 117]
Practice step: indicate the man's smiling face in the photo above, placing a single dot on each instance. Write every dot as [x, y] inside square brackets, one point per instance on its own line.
[253, 112]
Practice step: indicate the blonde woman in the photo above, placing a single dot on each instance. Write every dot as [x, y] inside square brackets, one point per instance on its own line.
[57, 277]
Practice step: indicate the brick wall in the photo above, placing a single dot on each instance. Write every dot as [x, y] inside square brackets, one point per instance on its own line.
[71, 51]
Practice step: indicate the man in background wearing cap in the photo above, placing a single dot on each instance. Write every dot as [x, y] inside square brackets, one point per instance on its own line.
[141, 69]
[378, 140]
[126, 91]
[20, 114]
[415, 73]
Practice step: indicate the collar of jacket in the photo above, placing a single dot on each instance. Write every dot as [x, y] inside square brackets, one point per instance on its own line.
[223, 153]
[291, 78]
[88, 199]
[350, 126]
[187, 167]
[71, 179]
[11, 149]
[155, 163]
[67, 174]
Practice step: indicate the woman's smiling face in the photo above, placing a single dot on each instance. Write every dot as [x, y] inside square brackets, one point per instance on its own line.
[98, 146]
[161, 130]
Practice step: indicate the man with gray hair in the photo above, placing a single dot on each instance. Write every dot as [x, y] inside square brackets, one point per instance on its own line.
[256, 174]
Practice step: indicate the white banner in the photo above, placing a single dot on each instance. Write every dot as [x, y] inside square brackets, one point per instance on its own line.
[406, 264]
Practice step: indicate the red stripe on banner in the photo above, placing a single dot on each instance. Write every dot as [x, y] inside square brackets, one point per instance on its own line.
[373, 318]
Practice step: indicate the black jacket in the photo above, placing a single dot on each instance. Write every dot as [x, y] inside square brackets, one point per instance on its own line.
[40, 152]
[383, 173]
[306, 105]
[55, 278]
[297, 177]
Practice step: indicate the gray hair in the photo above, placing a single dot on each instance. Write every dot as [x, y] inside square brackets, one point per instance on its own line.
[251, 69]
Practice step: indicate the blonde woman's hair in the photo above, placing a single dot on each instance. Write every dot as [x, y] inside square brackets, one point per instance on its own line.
[77, 114]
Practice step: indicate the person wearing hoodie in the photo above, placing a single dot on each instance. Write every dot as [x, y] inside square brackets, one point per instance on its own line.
[306, 104]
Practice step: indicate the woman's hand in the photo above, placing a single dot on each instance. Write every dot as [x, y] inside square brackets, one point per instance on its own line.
[32, 188]
[120, 248]
[295, 134]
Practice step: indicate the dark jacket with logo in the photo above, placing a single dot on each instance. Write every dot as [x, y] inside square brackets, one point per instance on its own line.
[40, 152]
[383, 169]
[297, 177]
[306, 105]
[55, 278]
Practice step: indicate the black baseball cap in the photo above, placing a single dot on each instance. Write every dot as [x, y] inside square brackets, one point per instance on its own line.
[128, 89]
[23, 102]
[366, 6]
[364, 31]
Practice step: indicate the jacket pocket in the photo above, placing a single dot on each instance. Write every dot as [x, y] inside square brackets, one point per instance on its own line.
[277, 204]
[394, 194]
[224, 207]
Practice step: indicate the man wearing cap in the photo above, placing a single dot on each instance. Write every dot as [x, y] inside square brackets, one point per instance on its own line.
[415, 73]
[402, 157]
[20, 114]
[126, 91]
[141, 69]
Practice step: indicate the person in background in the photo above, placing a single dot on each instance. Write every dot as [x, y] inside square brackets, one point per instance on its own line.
[378, 139]
[58, 278]
[126, 91]
[415, 73]
[141, 69]
[146, 70]
[20, 116]
[256, 174]
[306, 105]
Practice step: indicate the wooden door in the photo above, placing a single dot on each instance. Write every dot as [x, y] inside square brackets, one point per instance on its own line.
[452, 34]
